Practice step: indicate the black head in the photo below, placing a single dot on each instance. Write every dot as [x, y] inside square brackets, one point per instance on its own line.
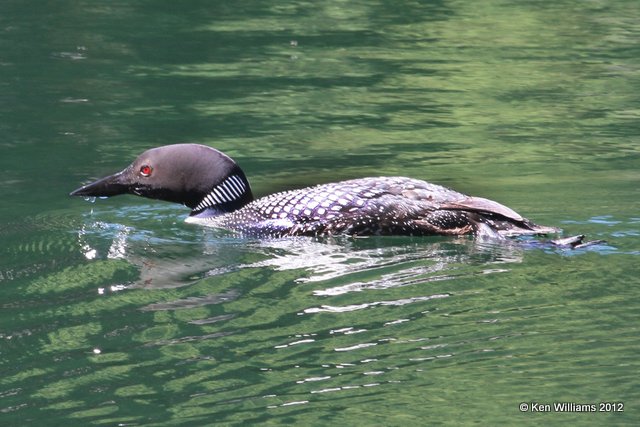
[196, 176]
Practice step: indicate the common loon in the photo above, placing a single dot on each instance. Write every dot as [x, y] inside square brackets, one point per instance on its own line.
[218, 193]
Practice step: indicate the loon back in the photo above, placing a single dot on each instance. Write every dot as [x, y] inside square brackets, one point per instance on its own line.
[218, 193]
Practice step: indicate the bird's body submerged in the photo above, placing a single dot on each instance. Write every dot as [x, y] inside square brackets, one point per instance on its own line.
[217, 191]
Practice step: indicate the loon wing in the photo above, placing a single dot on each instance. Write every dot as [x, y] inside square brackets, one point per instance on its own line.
[480, 204]
[512, 223]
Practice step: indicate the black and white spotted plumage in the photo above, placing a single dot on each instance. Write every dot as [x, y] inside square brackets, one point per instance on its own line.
[219, 195]
[369, 206]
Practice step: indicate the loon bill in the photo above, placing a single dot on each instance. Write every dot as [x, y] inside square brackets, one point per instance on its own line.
[216, 190]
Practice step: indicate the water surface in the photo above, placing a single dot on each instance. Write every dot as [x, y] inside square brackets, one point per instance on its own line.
[118, 313]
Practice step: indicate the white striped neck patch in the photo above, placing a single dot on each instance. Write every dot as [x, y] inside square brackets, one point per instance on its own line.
[232, 189]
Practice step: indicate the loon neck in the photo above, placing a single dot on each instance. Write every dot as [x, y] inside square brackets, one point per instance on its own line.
[229, 195]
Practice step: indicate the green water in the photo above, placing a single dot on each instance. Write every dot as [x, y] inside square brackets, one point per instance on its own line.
[118, 313]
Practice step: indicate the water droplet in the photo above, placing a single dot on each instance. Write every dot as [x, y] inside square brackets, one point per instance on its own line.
[90, 199]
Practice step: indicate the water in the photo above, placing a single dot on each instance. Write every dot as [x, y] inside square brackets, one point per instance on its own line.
[118, 313]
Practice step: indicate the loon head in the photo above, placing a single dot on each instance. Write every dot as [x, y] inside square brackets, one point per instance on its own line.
[199, 177]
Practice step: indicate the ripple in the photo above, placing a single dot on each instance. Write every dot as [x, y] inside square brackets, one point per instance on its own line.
[192, 302]
[356, 347]
[304, 341]
[355, 307]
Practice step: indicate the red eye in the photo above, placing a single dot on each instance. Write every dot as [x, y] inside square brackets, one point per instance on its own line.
[146, 170]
